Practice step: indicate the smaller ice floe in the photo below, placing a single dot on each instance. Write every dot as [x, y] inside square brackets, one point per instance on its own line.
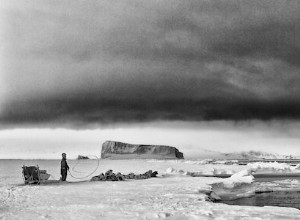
[274, 167]
[225, 162]
[200, 162]
[237, 186]
[212, 172]
[237, 179]
[171, 172]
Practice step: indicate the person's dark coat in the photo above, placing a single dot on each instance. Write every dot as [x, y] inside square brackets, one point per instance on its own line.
[64, 169]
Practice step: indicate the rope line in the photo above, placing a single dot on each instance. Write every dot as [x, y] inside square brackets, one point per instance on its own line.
[9, 193]
[83, 177]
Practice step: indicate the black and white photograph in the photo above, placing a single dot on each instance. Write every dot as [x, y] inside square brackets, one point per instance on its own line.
[150, 109]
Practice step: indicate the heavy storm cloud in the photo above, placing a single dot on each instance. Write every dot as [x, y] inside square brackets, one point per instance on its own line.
[81, 63]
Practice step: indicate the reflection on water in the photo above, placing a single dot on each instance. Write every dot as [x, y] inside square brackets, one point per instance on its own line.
[277, 198]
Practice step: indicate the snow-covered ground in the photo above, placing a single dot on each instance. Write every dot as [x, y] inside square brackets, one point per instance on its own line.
[173, 195]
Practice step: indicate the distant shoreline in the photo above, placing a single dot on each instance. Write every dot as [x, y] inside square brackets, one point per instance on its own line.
[237, 161]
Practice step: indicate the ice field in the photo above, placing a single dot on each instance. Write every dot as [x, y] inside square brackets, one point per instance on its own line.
[172, 195]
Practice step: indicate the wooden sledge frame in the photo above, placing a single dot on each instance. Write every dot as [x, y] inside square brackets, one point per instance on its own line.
[31, 174]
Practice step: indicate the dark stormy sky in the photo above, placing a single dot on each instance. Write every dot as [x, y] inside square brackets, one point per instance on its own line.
[87, 64]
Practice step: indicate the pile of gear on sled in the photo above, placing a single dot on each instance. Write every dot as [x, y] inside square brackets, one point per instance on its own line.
[33, 175]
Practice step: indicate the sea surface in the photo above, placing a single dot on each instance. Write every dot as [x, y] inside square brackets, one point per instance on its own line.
[277, 198]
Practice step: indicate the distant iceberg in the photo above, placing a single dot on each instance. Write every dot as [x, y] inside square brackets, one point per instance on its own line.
[119, 150]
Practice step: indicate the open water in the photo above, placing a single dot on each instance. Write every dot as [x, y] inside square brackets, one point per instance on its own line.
[277, 198]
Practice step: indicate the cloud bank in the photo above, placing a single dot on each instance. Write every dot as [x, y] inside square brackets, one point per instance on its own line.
[86, 62]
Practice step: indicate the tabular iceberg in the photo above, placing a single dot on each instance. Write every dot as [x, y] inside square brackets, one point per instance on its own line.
[119, 150]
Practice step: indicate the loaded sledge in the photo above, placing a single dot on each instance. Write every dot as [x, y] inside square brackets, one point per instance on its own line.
[33, 175]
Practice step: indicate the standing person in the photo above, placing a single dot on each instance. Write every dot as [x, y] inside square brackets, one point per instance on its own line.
[64, 167]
